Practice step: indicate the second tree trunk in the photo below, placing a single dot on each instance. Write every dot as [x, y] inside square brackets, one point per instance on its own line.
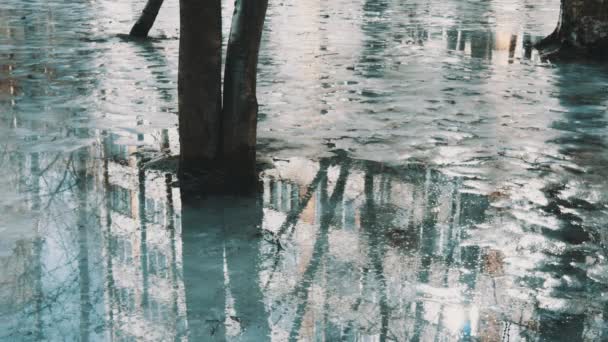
[239, 118]
[583, 26]
[146, 20]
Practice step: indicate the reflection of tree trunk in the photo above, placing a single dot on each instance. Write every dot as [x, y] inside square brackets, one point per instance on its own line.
[240, 111]
[110, 284]
[294, 215]
[176, 275]
[512, 47]
[154, 56]
[527, 46]
[146, 20]
[302, 290]
[376, 40]
[199, 82]
[36, 205]
[242, 218]
[143, 234]
[83, 250]
[561, 326]
[428, 236]
[203, 267]
[165, 143]
[376, 250]
[211, 229]
[583, 26]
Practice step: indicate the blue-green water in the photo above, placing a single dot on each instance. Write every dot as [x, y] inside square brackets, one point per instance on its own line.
[468, 200]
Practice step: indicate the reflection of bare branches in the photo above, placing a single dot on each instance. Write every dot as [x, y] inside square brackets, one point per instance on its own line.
[376, 250]
[356, 305]
[302, 291]
[60, 289]
[43, 171]
[69, 164]
[294, 216]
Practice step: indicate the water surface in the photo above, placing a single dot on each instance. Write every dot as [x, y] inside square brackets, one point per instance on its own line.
[428, 178]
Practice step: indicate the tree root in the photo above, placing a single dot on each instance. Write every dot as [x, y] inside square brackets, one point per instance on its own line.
[557, 47]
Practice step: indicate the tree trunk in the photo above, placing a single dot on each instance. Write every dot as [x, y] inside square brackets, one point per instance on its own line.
[199, 83]
[239, 119]
[146, 20]
[582, 28]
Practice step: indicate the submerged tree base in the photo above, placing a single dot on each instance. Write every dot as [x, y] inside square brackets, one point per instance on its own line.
[212, 178]
[555, 47]
[198, 179]
[217, 181]
[582, 32]
[146, 20]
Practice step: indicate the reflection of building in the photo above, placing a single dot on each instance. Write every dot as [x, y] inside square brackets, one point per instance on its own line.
[146, 296]
[50, 282]
[500, 47]
[19, 245]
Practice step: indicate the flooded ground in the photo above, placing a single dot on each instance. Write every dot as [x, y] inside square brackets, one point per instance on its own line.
[430, 180]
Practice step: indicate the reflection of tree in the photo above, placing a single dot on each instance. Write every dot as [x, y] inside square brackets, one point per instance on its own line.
[155, 58]
[143, 279]
[375, 239]
[422, 233]
[220, 250]
[83, 252]
[376, 251]
[487, 42]
[302, 291]
[294, 214]
[37, 271]
[59, 269]
[376, 28]
[582, 145]
[65, 267]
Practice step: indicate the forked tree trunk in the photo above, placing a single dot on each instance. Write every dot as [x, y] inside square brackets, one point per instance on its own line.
[146, 20]
[199, 83]
[582, 27]
[240, 112]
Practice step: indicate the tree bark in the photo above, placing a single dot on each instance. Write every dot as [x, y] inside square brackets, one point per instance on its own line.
[582, 28]
[240, 112]
[199, 83]
[146, 20]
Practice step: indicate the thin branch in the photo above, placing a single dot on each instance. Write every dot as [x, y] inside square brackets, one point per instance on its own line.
[65, 174]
